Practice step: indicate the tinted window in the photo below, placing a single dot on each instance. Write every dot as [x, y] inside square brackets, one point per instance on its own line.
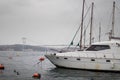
[98, 47]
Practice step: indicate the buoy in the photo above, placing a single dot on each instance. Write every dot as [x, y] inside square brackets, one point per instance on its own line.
[17, 73]
[42, 59]
[14, 70]
[36, 75]
[1, 67]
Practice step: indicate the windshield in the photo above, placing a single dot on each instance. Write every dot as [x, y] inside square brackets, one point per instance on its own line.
[97, 47]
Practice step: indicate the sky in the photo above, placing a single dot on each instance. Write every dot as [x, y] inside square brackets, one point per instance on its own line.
[52, 22]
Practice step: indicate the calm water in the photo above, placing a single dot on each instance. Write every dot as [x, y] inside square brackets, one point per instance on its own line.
[26, 64]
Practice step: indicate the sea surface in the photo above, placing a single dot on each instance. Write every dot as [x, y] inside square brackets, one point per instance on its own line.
[22, 66]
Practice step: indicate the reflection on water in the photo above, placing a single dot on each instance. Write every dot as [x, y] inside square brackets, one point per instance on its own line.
[22, 65]
[69, 74]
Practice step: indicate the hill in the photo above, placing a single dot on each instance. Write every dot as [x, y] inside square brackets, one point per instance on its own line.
[20, 47]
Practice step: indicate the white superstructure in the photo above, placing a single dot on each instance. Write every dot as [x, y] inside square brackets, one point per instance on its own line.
[99, 56]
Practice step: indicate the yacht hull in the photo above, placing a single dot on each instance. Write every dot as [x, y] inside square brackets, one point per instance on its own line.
[85, 63]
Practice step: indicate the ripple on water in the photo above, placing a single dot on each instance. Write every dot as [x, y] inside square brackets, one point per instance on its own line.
[25, 63]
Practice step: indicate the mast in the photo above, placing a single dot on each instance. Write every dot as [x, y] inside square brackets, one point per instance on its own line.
[82, 25]
[99, 32]
[91, 23]
[84, 37]
[111, 33]
[113, 19]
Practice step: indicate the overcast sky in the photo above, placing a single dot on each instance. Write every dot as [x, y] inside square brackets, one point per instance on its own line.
[51, 22]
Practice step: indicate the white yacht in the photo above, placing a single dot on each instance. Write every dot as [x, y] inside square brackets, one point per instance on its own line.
[103, 55]
[99, 56]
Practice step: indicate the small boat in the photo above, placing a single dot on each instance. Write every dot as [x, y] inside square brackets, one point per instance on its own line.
[2, 67]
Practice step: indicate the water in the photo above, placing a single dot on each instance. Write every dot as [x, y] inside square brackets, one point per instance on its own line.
[25, 63]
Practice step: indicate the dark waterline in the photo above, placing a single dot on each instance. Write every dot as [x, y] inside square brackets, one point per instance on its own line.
[22, 65]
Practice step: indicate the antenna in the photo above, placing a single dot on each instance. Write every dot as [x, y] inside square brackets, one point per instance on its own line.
[84, 37]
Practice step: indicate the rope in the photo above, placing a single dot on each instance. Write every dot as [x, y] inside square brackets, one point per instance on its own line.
[118, 9]
[87, 12]
[83, 34]
[74, 37]
[78, 29]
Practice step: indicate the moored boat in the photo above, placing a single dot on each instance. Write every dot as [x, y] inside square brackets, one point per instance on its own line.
[103, 55]
[99, 56]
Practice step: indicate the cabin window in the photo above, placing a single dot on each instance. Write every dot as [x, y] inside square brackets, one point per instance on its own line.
[98, 47]
[107, 60]
[65, 58]
[54, 54]
[78, 59]
[92, 59]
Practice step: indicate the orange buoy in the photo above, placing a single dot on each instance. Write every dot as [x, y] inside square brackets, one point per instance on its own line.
[42, 59]
[36, 75]
[1, 67]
